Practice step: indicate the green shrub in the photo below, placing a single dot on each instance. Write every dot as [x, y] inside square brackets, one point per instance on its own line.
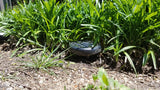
[137, 23]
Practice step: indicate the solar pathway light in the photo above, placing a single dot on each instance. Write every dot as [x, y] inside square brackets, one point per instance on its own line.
[84, 48]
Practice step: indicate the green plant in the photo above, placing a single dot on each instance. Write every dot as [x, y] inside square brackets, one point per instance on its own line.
[90, 87]
[4, 77]
[40, 22]
[105, 82]
[136, 24]
[45, 60]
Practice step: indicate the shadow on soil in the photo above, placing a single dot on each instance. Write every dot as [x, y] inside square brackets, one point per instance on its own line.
[97, 60]
[108, 62]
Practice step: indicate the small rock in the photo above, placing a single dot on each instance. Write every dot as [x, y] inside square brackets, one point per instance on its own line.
[20, 86]
[7, 84]
[10, 88]
[41, 80]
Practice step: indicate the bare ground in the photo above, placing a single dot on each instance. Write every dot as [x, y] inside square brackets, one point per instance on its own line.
[15, 76]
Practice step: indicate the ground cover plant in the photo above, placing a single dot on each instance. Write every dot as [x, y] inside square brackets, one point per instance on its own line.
[106, 83]
[127, 28]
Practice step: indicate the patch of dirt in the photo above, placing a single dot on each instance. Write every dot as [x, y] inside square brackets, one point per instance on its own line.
[14, 76]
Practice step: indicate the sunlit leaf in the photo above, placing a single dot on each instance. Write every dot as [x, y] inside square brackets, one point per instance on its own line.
[153, 59]
[145, 58]
[102, 76]
[124, 49]
[130, 61]
[151, 15]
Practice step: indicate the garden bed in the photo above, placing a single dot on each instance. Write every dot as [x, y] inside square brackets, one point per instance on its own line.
[75, 76]
[39, 34]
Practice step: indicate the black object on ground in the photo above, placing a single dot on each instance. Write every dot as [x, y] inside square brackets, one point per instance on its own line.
[84, 48]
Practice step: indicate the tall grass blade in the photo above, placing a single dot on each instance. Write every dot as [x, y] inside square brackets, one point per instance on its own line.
[15, 51]
[124, 49]
[29, 51]
[93, 7]
[130, 61]
[22, 38]
[151, 15]
[151, 41]
[145, 58]
[153, 59]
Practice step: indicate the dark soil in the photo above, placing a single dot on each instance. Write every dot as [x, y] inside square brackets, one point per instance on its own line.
[71, 76]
